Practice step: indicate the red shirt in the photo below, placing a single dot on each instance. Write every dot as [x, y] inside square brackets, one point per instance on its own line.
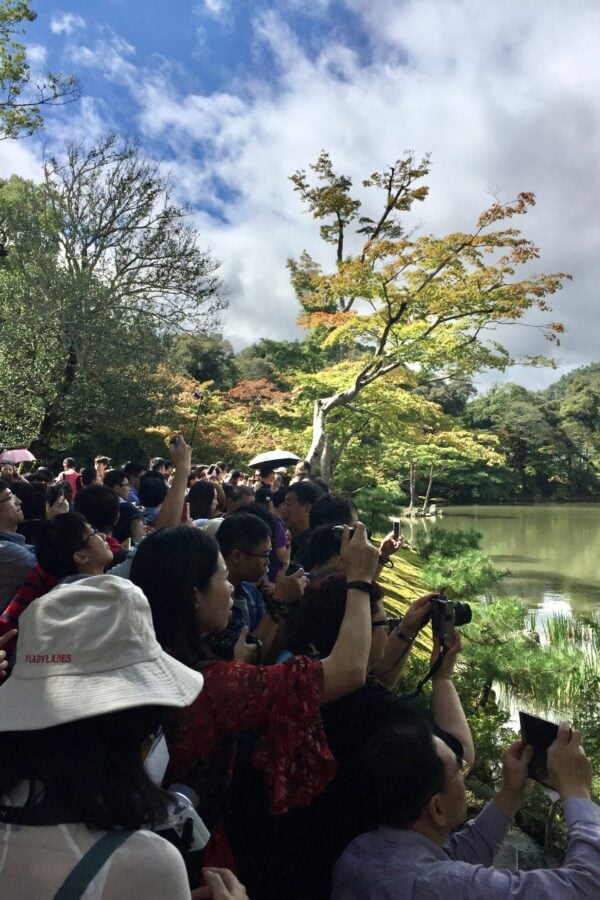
[281, 703]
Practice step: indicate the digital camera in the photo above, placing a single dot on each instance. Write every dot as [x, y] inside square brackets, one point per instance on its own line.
[446, 616]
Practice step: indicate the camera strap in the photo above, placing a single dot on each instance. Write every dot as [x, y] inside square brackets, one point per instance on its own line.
[437, 664]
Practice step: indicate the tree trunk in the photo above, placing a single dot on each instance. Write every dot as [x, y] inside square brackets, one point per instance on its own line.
[412, 483]
[428, 491]
[327, 459]
[318, 433]
[40, 447]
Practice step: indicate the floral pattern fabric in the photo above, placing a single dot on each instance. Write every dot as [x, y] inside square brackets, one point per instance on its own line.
[281, 704]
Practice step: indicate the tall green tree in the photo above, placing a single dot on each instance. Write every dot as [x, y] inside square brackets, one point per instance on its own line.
[99, 266]
[23, 93]
[396, 302]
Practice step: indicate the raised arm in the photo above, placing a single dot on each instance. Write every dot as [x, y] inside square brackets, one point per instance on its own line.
[399, 643]
[345, 669]
[447, 708]
[170, 512]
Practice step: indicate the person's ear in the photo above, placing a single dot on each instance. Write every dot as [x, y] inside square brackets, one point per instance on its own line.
[81, 557]
[436, 811]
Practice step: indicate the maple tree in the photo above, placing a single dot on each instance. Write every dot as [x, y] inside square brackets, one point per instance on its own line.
[407, 304]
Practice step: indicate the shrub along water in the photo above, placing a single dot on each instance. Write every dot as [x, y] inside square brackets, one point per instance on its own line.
[557, 669]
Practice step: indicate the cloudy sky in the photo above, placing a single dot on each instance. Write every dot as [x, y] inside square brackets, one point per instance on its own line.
[235, 95]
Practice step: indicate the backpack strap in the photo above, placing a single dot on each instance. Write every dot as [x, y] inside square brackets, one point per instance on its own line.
[89, 865]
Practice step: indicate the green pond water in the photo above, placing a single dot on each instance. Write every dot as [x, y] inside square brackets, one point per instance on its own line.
[551, 551]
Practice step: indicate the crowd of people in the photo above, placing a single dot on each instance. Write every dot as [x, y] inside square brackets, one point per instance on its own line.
[200, 698]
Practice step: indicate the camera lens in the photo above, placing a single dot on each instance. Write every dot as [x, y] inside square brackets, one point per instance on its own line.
[462, 613]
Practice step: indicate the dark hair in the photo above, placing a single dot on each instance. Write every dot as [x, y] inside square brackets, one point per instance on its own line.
[200, 497]
[91, 769]
[314, 623]
[403, 769]
[5, 485]
[86, 476]
[134, 468]
[306, 492]
[266, 469]
[304, 463]
[102, 459]
[279, 496]
[263, 494]
[153, 489]
[69, 461]
[167, 566]
[156, 463]
[320, 482]
[243, 490]
[221, 498]
[333, 509]
[99, 505]
[114, 478]
[241, 531]
[230, 491]
[25, 492]
[56, 542]
[323, 543]
[255, 509]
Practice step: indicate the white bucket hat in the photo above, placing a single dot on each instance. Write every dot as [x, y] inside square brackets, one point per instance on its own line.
[89, 648]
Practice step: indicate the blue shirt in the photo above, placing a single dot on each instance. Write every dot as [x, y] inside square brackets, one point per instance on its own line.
[17, 559]
[393, 864]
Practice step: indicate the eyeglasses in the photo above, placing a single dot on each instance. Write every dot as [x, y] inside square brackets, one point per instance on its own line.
[264, 556]
[91, 535]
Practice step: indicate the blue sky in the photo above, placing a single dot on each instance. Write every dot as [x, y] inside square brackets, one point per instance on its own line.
[234, 96]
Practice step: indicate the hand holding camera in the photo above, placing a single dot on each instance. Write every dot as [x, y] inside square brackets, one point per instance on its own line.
[360, 558]
[180, 452]
[446, 669]
[289, 587]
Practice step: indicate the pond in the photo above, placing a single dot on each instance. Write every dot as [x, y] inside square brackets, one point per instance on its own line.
[551, 551]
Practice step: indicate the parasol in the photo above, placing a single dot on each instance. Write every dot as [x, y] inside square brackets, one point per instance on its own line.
[274, 458]
[16, 456]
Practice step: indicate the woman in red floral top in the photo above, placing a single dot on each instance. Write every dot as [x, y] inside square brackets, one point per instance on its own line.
[185, 579]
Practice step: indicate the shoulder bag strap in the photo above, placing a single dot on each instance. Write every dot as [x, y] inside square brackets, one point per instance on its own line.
[89, 865]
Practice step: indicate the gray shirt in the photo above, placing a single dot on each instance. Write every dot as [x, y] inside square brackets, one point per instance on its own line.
[392, 864]
[17, 559]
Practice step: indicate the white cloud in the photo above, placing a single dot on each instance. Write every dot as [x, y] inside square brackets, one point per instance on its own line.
[509, 99]
[20, 157]
[66, 23]
[214, 8]
[36, 54]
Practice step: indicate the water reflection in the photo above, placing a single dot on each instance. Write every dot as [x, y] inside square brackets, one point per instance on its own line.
[552, 552]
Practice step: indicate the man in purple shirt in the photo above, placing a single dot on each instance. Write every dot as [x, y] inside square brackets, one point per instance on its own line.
[418, 783]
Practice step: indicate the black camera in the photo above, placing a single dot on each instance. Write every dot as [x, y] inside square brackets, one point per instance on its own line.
[337, 531]
[446, 616]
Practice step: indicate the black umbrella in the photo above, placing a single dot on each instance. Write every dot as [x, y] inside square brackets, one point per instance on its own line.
[274, 458]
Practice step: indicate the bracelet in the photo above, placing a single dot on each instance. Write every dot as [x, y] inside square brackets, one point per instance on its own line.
[404, 637]
[365, 586]
[385, 561]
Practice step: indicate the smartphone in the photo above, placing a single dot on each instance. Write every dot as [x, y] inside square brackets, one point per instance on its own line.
[396, 525]
[540, 734]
